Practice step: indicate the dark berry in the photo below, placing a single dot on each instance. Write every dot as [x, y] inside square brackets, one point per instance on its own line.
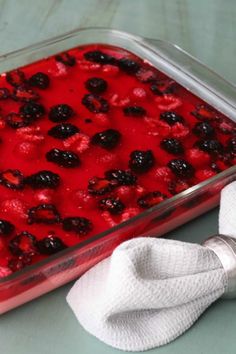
[129, 66]
[171, 117]
[123, 177]
[43, 179]
[16, 120]
[18, 263]
[66, 59]
[6, 227]
[99, 57]
[225, 126]
[181, 168]
[50, 245]
[80, 225]
[39, 80]
[231, 145]
[175, 187]
[96, 85]
[63, 131]
[204, 112]
[4, 93]
[23, 94]
[15, 78]
[134, 111]
[60, 113]
[63, 158]
[32, 110]
[172, 146]
[211, 146]
[113, 205]
[23, 244]
[215, 167]
[162, 87]
[150, 199]
[101, 186]
[141, 161]
[12, 179]
[204, 130]
[107, 139]
[43, 213]
[95, 103]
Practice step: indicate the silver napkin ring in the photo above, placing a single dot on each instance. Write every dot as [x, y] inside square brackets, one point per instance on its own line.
[225, 249]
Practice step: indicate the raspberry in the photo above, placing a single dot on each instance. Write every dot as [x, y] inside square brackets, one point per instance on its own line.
[172, 146]
[150, 199]
[66, 59]
[146, 75]
[26, 150]
[123, 177]
[168, 102]
[128, 66]
[108, 218]
[63, 158]
[202, 175]
[197, 157]
[101, 119]
[139, 93]
[107, 139]
[4, 93]
[80, 225]
[126, 193]
[79, 141]
[14, 207]
[23, 244]
[100, 57]
[24, 94]
[110, 70]
[43, 213]
[141, 161]
[179, 131]
[50, 245]
[12, 179]
[30, 134]
[225, 126]
[100, 186]
[60, 113]
[83, 200]
[96, 85]
[204, 130]
[134, 111]
[163, 174]
[159, 128]
[129, 213]
[171, 117]
[15, 78]
[117, 101]
[43, 179]
[175, 187]
[113, 205]
[39, 80]
[181, 168]
[6, 228]
[95, 103]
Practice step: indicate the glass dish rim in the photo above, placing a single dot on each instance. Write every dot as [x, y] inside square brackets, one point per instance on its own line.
[164, 204]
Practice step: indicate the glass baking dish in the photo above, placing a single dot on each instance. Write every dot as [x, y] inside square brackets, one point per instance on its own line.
[50, 273]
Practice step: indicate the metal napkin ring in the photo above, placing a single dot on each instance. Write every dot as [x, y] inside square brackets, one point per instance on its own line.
[225, 249]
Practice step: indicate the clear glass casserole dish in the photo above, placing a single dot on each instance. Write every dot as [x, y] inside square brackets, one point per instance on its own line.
[67, 265]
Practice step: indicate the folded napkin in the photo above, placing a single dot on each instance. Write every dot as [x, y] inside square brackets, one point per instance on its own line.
[150, 290]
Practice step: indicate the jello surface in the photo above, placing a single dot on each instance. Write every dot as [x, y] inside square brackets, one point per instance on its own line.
[90, 138]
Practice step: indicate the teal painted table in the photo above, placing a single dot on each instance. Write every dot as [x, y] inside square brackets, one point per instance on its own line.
[206, 29]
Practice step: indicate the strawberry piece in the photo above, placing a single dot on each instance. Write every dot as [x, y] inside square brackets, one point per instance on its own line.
[168, 102]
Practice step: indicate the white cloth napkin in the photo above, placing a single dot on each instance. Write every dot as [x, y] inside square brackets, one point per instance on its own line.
[150, 290]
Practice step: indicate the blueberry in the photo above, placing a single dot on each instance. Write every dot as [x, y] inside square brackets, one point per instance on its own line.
[39, 80]
[107, 139]
[43, 213]
[129, 66]
[96, 85]
[6, 227]
[99, 57]
[171, 117]
[141, 161]
[112, 205]
[172, 146]
[50, 245]
[211, 146]
[80, 225]
[123, 177]
[150, 199]
[32, 110]
[134, 111]
[43, 179]
[63, 158]
[23, 244]
[60, 113]
[12, 179]
[95, 103]
[181, 168]
[63, 131]
[204, 130]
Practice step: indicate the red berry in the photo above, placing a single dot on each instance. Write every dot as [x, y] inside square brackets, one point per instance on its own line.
[78, 142]
[108, 160]
[139, 93]
[117, 101]
[101, 119]
[197, 157]
[110, 70]
[202, 175]
[178, 130]
[26, 150]
[4, 272]
[158, 128]
[44, 196]
[168, 102]
[14, 207]
[83, 200]
[32, 134]
[163, 174]
[129, 213]
[175, 187]
[126, 193]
